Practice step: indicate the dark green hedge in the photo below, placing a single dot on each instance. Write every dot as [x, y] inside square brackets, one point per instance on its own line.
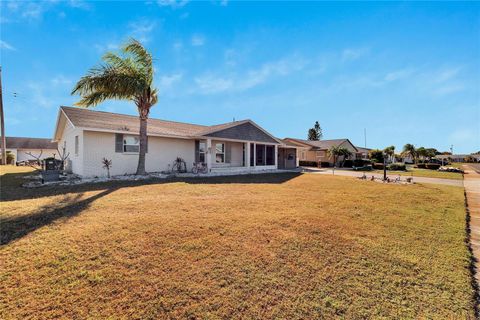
[308, 163]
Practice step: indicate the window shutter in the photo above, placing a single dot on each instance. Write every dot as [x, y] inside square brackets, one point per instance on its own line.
[228, 152]
[197, 151]
[118, 142]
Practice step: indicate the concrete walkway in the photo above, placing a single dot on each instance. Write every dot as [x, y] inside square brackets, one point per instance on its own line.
[472, 190]
[351, 173]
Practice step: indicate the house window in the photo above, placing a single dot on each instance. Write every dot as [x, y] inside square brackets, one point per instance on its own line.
[220, 152]
[131, 144]
[202, 147]
[303, 155]
[76, 145]
[320, 154]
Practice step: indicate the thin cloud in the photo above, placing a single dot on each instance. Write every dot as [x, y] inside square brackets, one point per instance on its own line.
[398, 74]
[351, 54]
[141, 29]
[7, 46]
[172, 3]
[210, 83]
[167, 81]
[198, 40]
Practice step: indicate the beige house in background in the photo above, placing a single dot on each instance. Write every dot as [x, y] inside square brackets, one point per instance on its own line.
[317, 151]
[25, 149]
[239, 146]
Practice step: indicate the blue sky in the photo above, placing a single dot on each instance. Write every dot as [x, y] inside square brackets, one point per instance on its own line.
[407, 72]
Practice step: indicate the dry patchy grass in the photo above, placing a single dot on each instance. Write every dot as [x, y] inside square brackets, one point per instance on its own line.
[424, 173]
[268, 246]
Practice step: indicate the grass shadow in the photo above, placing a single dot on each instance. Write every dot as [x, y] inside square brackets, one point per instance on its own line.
[11, 189]
[16, 227]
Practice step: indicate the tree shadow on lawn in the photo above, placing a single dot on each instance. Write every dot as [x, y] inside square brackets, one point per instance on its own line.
[12, 190]
[13, 228]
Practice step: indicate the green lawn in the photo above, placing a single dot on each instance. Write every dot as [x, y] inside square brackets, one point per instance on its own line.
[273, 246]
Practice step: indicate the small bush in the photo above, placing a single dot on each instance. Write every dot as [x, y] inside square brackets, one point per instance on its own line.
[378, 165]
[397, 167]
[432, 166]
[325, 164]
[420, 166]
[308, 164]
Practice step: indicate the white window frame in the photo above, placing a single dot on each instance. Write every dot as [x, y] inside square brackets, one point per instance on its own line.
[76, 145]
[204, 152]
[303, 155]
[222, 153]
[124, 144]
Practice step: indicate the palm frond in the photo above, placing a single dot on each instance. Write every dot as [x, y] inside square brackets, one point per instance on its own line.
[141, 56]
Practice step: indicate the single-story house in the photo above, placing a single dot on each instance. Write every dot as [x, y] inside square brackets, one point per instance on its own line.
[25, 149]
[362, 153]
[308, 150]
[89, 136]
[458, 157]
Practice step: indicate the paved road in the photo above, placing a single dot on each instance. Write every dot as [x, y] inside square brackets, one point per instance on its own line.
[350, 173]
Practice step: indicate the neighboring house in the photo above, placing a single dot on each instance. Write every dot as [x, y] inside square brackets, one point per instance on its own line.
[458, 157]
[362, 153]
[89, 136]
[25, 149]
[308, 150]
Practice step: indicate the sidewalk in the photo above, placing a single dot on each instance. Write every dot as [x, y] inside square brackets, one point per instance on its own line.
[472, 190]
[351, 173]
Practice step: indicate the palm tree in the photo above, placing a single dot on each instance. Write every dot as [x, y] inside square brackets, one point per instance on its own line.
[345, 153]
[409, 150]
[334, 152]
[390, 152]
[124, 76]
[422, 152]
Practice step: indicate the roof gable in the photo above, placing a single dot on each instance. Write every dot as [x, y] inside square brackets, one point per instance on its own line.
[246, 130]
[323, 144]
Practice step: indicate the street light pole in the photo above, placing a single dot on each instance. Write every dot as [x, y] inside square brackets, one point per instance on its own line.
[2, 124]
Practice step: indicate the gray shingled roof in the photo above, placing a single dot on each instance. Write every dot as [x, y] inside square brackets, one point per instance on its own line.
[120, 122]
[101, 120]
[322, 144]
[363, 150]
[30, 143]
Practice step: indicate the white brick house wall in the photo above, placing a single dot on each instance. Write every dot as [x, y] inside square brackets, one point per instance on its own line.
[161, 153]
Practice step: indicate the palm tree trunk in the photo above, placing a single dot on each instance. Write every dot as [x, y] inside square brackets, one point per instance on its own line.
[143, 144]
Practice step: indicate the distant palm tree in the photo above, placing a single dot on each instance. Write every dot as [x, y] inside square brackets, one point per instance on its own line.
[409, 150]
[422, 153]
[390, 152]
[345, 153]
[333, 153]
[336, 151]
[124, 76]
